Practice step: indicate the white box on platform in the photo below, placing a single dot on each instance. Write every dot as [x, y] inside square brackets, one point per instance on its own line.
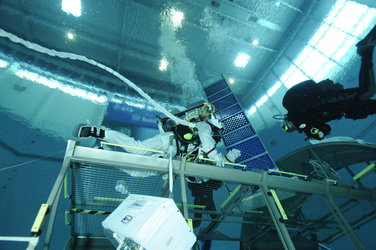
[151, 222]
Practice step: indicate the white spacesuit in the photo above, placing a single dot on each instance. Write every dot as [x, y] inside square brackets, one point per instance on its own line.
[161, 142]
[199, 139]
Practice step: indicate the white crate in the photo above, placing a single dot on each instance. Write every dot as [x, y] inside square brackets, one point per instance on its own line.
[152, 222]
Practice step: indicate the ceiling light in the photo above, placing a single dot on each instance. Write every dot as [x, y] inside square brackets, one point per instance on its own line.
[231, 80]
[163, 64]
[242, 60]
[274, 88]
[255, 42]
[262, 100]
[252, 110]
[72, 7]
[70, 36]
[3, 64]
[176, 18]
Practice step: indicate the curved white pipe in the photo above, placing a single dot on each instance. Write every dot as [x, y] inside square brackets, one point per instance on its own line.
[73, 56]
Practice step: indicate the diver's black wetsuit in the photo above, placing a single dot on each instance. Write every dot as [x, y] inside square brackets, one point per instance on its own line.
[203, 195]
[315, 104]
[311, 105]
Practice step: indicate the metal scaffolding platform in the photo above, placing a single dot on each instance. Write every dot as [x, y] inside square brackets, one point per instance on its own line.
[96, 175]
[338, 154]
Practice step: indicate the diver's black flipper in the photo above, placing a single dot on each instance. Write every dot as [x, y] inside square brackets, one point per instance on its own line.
[361, 110]
[368, 41]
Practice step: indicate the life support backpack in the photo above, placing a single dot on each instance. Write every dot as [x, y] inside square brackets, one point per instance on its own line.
[185, 136]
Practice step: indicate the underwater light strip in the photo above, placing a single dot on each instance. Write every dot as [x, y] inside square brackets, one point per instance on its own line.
[72, 56]
[55, 84]
[15, 66]
[3, 63]
[73, 87]
[37, 75]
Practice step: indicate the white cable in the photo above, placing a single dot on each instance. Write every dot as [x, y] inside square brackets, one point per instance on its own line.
[27, 162]
[73, 56]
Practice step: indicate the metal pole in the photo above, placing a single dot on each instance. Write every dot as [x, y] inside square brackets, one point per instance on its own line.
[42, 214]
[140, 162]
[226, 208]
[33, 241]
[276, 216]
[343, 223]
[51, 222]
[68, 154]
[183, 189]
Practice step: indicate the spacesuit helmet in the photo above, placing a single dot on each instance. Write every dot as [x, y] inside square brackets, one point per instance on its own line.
[204, 113]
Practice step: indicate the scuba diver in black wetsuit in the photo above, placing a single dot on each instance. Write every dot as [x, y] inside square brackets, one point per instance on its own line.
[202, 189]
[311, 105]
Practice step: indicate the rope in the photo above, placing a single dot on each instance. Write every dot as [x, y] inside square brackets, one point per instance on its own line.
[125, 146]
[27, 162]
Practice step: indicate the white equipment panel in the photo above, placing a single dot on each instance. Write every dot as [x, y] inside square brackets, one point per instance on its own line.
[151, 222]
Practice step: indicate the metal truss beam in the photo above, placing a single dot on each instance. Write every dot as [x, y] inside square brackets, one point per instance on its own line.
[344, 224]
[354, 224]
[278, 222]
[139, 162]
[225, 211]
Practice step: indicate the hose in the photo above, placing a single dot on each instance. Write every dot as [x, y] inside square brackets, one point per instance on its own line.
[72, 56]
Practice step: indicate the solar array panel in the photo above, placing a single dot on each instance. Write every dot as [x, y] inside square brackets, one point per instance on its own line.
[238, 132]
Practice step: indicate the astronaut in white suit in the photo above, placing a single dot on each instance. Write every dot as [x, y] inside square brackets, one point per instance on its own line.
[161, 142]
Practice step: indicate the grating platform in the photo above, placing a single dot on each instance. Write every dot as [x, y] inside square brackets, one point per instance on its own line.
[94, 189]
[98, 189]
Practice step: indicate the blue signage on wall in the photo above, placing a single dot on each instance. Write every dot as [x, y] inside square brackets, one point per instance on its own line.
[122, 112]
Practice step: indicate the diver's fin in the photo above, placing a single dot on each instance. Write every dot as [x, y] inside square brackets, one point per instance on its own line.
[368, 41]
